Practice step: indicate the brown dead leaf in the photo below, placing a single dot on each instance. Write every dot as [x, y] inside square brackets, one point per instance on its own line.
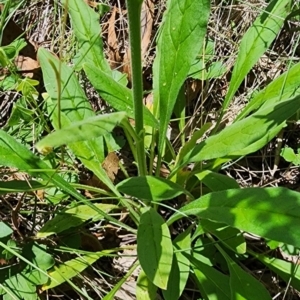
[146, 25]
[112, 41]
[92, 4]
[111, 165]
[26, 61]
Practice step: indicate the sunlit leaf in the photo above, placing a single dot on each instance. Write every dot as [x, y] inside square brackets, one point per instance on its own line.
[267, 212]
[180, 40]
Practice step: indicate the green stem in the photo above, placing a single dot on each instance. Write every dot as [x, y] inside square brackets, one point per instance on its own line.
[134, 8]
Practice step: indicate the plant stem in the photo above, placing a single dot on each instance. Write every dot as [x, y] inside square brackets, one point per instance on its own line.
[134, 8]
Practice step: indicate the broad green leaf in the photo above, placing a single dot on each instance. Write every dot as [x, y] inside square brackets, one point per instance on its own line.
[5, 230]
[180, 266]
[243, 286]
[87, 129]
[213, 284]
[180, 39]
[86, 26]
[145, 289]
[288, 271]
[267, 212]
[151, 188]
[216, 181]
[255, 42]
[229, 236]
[282, 88]
[73, 217]
[154, 247]
[117, 95]
[15, 186]
[247, 135]
[71, 268]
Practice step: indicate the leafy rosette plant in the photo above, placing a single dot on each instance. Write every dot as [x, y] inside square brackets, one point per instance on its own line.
[218, 218]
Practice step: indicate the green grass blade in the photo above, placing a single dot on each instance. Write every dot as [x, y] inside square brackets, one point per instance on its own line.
[182, 35]
[17, 186]
[154, 247]
[273, 213]
[255, 42]
[245, 136]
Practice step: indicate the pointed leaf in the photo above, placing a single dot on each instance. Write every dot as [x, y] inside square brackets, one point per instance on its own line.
[247, 135]
[73, 101]
[74, 107]
[181, 37]
[256, 41]
[154, 247]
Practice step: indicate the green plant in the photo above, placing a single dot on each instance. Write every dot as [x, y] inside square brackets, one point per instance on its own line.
[223, 211]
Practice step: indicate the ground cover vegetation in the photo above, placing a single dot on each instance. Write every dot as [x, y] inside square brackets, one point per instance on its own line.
[149, 149]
